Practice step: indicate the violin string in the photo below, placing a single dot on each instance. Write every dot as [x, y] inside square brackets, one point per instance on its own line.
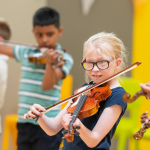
[76, 112]
[78, 108]
[80, 105]
[74, 116]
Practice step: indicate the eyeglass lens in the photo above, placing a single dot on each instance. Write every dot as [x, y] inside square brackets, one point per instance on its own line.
[100, 64]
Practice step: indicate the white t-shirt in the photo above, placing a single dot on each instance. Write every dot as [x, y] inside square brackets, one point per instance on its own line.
[3, 77]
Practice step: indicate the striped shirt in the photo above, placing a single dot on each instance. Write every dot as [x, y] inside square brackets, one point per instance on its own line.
[30, 90]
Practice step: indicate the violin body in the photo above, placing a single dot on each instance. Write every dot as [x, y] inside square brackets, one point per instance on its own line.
[40, 58]
[89, 109]
[85, 106]
[91, 105]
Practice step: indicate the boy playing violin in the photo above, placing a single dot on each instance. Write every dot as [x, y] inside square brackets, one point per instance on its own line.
[40, 83]
[103, 55]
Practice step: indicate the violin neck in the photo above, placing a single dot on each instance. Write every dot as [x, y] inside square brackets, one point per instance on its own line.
[82, 100]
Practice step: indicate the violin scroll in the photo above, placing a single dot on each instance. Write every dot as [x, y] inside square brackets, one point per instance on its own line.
[127, 97]
[138, 135]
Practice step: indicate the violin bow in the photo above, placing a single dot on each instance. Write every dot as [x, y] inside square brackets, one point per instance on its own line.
[92, 87]
[12, 43]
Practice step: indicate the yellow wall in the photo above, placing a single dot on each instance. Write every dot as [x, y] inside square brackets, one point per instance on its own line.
[141, 51]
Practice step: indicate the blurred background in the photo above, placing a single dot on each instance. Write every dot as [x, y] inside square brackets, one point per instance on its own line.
[80, 19]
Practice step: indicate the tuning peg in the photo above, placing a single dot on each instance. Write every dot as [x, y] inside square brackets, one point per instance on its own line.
[64, 131]
[63, 138]
[76, 133]
[77, 127]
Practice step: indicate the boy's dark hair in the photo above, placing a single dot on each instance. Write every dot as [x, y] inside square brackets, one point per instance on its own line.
[46, 16]
[5, 31]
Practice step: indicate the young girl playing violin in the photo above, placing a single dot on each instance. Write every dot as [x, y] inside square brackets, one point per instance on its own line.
[102, 57]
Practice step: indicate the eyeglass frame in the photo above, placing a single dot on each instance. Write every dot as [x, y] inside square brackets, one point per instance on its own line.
[95, 63]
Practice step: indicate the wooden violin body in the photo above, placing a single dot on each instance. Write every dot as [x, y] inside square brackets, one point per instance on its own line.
[40, 58]
[37, 58]
[85, 106]
[91, 105]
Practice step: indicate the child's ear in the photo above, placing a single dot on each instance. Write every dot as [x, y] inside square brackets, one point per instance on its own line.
[1, 38]
[60, 31]
[118, 63]
[33, 31]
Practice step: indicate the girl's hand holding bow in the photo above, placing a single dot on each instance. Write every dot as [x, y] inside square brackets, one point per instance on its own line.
[35, 110]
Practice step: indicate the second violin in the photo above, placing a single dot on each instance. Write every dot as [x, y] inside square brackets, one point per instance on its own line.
[40, 58]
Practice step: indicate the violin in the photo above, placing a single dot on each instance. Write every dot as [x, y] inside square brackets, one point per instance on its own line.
[51, 107]
[138, 135]
[84, 106]
[94, 97]
[38, 57]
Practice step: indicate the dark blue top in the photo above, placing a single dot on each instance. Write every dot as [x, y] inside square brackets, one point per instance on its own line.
[90, 122]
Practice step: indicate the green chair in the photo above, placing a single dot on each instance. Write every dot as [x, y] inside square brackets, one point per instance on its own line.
[127, 125]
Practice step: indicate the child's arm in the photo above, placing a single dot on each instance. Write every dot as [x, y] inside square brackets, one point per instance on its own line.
[51, 127]
[52, 75]
[103, 126]
[6, 50]
[3, 80]
[145, 118]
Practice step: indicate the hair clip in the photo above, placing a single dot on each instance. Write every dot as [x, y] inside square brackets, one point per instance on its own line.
[84, 60]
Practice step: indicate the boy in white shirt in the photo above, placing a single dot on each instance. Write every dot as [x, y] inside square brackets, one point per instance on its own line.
[5, 34]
